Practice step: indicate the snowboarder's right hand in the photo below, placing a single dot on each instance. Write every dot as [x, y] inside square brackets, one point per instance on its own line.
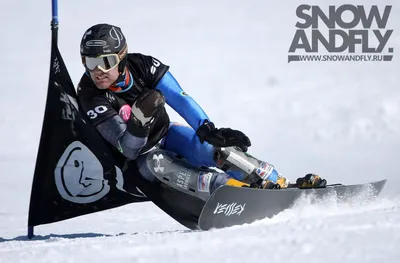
[146, 107]
[223, 137]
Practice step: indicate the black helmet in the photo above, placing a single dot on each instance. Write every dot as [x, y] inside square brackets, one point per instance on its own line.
[102, 39]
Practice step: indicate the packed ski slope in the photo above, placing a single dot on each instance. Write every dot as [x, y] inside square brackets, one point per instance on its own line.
[341, 120]
[332, 233]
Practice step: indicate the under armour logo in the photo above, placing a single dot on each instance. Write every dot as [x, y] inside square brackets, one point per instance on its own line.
[157, 167]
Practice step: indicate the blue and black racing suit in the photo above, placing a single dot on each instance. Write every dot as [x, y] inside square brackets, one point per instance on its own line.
[144, 73]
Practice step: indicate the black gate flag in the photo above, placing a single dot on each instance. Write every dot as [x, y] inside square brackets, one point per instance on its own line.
[76, 171]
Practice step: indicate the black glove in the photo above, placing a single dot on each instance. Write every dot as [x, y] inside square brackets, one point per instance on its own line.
[143, 112]
[146, 107]
[223, 137]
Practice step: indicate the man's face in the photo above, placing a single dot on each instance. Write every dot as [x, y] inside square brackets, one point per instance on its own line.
[104, 80]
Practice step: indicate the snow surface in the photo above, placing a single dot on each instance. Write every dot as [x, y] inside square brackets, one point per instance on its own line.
[340, 120]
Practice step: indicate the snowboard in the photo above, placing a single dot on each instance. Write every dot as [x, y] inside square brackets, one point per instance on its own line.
[229, 206]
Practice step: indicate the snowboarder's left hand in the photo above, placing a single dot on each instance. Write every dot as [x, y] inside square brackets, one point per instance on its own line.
[222, 137]
[147, 106]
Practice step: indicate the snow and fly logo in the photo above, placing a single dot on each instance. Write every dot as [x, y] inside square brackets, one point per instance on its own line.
[346, 32]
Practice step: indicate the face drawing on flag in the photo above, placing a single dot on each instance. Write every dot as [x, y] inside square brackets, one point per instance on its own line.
[79, 175]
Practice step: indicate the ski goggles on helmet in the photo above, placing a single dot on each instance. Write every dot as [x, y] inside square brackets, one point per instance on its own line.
[105, 62]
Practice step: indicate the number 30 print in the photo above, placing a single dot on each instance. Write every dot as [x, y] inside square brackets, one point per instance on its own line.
[98, 110]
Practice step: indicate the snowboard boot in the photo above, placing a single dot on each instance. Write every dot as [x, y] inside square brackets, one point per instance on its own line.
[256, 173]
[282, 182]
[236, 183]
[310, 181]
[260, 185]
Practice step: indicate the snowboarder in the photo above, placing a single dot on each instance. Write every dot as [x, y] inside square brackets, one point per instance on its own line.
[124, 94]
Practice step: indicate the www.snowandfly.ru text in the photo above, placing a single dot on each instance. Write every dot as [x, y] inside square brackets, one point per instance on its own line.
[346, 32]
[328, 58]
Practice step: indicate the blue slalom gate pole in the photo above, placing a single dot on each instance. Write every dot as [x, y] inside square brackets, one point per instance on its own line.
[54, 38]
[30, 232]
[54, 20]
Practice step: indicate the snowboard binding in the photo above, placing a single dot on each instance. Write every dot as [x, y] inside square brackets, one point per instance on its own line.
[310, 181]
[259, 174]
